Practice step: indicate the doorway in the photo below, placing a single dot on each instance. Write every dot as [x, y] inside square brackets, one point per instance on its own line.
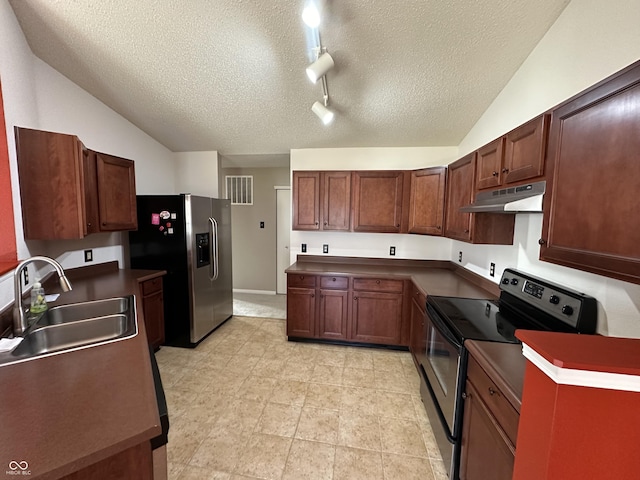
[283, 229]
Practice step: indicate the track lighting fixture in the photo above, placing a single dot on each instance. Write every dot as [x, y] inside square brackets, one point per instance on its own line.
[320, 67]
[322, 112]
[311, 15]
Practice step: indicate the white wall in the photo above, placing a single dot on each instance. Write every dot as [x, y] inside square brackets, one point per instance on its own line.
[197, 173]
[374, 245]
[36, 96]
[591, 40]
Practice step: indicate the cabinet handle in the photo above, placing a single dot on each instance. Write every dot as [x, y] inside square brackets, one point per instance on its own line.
[377, 282]
[439, 227]
[466, 231]
[398, 226]
[301, 277]
[313, 295]
[492, 391]
[88, 224]
[505, 170]
[104, 224]
[317, 223]
[355, 299]
[542, 241]
[334, 279]
[325, 224]
[495, 174]
[465, 395]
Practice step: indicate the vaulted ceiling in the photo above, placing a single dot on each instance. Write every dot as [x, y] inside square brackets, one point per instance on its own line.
[229, 75]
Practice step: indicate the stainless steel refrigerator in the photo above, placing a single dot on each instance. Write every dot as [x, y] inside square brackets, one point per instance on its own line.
[190, 238]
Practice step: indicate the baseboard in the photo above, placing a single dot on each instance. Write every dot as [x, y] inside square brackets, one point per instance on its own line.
[257, 292]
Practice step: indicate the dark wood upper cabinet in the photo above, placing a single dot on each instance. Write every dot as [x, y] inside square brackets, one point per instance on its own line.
[592, 198]
[426, 204]
[116, 182]
[515, 157]
[377, 201]
[483, 228]
[336, 200]
[306, 200]
[66, 193]
[489, 164]
[460, 190]
[524, 151]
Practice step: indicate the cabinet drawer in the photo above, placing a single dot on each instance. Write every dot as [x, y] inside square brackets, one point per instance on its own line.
[496, 402]
[339, 283]
[297, 280]
[377, 285]
[419, 297]
[151, 286]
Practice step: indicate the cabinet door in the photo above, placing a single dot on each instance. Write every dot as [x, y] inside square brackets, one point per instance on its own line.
[116, 193]
[333, 314]
[426, 204]
[306, 201]
[592, 202]
[301, 312]
[486, 451]
[377, 201]
[336, 200]
[418, 342]
[460, 190]
[489, 164]
[51, 185]
[153, 309]
[376, 317]
[525, 148]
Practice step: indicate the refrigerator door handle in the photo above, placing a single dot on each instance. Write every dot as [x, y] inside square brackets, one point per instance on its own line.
[214, 245]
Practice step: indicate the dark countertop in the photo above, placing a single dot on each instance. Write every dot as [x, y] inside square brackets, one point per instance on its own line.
[432, 278]
[504, 363]
[67, 411]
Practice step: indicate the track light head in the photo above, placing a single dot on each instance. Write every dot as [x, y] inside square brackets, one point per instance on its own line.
[311, 15]
[322, 112]
[320, 67]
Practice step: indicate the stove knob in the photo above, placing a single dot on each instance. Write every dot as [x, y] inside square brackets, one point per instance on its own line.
[554, 299]
[514, 281]
[505, 281]
[567, 310]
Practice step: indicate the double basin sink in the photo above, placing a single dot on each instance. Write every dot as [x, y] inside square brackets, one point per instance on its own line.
[74, 326]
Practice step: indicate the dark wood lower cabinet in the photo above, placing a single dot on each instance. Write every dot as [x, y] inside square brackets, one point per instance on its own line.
[135, 463]
[376, 317]
[301, 312]
[343, 308]
[333, 313]
[418, 339]
[153, 311]
[486, 451]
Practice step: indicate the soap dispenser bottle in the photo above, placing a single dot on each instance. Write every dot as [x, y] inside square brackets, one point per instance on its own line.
[38, 302]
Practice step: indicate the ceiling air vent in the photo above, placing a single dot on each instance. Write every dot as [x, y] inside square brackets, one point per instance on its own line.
[240, 189]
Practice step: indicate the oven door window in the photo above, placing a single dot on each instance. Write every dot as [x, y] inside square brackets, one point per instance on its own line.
[442, 357]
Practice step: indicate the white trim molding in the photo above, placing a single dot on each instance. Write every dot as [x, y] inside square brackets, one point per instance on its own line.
[582, 378]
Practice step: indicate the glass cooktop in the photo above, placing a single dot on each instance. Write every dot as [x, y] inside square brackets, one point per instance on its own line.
[477, 319]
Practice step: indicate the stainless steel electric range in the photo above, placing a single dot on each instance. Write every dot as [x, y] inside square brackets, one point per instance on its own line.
[525, 302]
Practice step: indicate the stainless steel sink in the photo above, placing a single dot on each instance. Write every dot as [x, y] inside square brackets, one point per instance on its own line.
[83, 310]
[75, 326]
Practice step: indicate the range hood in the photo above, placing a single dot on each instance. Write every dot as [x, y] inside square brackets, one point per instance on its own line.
[523, 198]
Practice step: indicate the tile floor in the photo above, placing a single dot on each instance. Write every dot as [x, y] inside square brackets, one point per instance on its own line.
[248, 404]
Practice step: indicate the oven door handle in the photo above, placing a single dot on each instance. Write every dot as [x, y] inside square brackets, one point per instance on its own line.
[443, 420]
[442, 328]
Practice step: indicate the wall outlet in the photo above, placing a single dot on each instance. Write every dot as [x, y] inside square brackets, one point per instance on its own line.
[492, 270]
[25, 276]
[304, 248]
[325, 248]
[88, 255]
[261, 224]
[392, 251]
[460, 256]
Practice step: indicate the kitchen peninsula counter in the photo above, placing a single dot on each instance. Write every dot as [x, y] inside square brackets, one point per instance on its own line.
[63, 413]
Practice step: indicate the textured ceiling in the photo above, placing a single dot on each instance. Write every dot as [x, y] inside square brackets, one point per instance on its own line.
[229, 75]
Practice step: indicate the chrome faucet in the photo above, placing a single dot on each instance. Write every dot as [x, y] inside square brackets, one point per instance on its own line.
[19, 318]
